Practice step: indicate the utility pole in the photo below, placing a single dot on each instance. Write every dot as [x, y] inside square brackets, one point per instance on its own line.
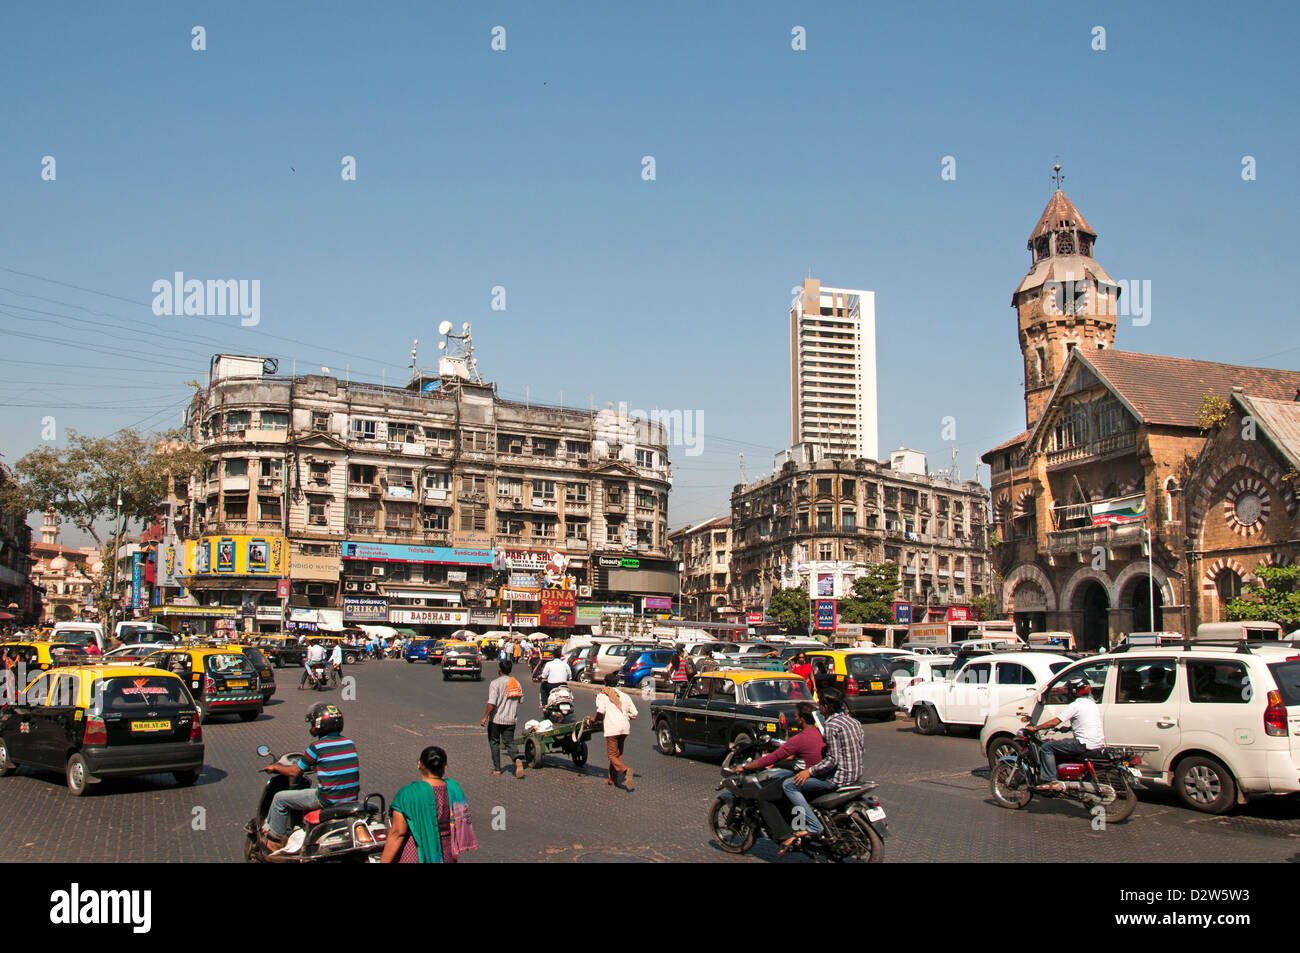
[117, 544]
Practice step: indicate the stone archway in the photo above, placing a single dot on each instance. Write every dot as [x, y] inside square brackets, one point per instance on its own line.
[1087, 600]
[1028, 595]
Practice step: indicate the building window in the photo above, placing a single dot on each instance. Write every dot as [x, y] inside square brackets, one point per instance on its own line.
[644, 533]
[510, 443]
[361, 475]
[848, 487]
[237, 421]
[317, 510]
[507, 526]
[320, 421]
[275, 420]
[272, 467]
[236, 467]
[575, 529]
[475, 441]
[236, 508]
[439, 436]
[510, 488]
[645, 498]
[825, 520]
[849, 521]
[437, 481]
[1228, 584]
[361, 515]
[436, 519]
[1040, 358]
[471, 485]
[543, 528]
[473, 519]
[268, 508]
[823, 487]
[543, 489]
[319, 473]
[802, 522]
[575, 493]
[401, 432]
[578, 449]
[545, 447]
[645, 458]
[825, 552]
[401, 476]
[364, 429]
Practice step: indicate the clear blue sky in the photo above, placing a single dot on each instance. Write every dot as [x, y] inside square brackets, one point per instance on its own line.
[523, 169]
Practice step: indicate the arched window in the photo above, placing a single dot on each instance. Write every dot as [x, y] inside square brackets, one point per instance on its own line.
[1228, 584]
[1171, 487]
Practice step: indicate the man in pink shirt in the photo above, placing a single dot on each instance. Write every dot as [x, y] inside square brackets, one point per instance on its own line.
[806, 746]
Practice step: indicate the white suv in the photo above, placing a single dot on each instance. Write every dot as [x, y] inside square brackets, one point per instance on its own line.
[979, 688]
[1220, 723]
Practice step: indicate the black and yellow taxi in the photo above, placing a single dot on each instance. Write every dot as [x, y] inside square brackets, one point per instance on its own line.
[863, 676]
[42, 654]
[462, 660]
[221, 680]
[259, 661]
[281, 650]
[95, 721]
[725, 708]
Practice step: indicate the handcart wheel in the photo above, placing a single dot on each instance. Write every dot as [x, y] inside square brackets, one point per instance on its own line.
[533, 750]
[580, 755]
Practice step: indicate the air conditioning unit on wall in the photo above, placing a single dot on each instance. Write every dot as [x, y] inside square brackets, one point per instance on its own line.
[584, 592]
[370, 587]
[376, 570]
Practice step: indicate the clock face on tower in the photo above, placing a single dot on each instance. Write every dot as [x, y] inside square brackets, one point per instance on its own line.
[1246, 506]
[1247, 509]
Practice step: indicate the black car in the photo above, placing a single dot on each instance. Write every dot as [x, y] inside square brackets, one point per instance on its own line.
[462, 661]
[726, 708]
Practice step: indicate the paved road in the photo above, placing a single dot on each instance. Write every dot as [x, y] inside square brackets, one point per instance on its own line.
[934, 788]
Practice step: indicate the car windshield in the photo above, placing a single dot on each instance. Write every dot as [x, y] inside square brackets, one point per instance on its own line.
[73, 636]
[465, 650]
[228, 665]
[142, 692]
[762, 690]
[941, 671]
[873, 666]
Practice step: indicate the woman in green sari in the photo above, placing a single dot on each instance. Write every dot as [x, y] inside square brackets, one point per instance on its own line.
[422, 814]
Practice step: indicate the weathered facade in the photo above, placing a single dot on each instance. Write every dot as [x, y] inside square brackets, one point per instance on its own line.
[423, 501]
[704, 551]
[834, 518]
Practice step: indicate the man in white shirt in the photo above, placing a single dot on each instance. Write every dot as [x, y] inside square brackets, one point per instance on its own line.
[554, 674]
[617, 710]
[1084, 718]
[315, 655]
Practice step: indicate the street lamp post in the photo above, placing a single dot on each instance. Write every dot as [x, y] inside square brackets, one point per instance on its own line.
[117, 544]
[1151, 577]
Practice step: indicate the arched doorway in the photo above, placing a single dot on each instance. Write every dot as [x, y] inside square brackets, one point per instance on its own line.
[1093, 603]
[63, 613]
[1142, 591]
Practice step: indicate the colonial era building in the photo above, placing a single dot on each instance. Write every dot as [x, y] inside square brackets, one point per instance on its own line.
[18, 599]
[817, 524]
[704, 551]
[66, 575]
[1101, 505]
[436, 503]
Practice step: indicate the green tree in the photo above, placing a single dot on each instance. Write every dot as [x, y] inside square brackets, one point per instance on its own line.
[873, 597]
[1273, 598]
[986, 607]
[789, 607]
[80, 482]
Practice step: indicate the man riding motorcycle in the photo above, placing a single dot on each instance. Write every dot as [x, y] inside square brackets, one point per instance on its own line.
[315, 655]
[1084, 718]
[338, 774]
[805, 746]
[846, 752]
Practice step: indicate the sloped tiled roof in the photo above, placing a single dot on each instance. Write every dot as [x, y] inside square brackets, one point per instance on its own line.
[1063, 268]
[1280, 421]
[1060, 210]
[1015, 441]
[1168, 391]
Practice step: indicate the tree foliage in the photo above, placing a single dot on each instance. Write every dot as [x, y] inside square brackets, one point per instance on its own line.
[871, 602]
[80, 482]
[1273, 598]
[986, 607]
[789, 607]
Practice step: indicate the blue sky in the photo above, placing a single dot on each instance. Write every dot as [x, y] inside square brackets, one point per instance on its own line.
[522, 169]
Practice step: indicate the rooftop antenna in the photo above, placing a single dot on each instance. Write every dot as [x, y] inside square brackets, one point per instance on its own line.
[1057, 177]
[954, 471]
[743, 479]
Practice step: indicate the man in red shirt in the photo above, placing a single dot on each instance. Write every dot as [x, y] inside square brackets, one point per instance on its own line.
[806, 746]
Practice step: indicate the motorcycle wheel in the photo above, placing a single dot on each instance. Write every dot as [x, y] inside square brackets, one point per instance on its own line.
[734, 832]
[1009, 785]
[851, 839]
[1125, 803]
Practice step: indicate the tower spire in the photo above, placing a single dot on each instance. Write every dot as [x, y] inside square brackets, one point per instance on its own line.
[1057, 177]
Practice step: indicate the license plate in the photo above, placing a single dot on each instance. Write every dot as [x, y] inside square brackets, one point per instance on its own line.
[460, 664]
[771, 726]
[151, 726]
[236, 683]
[875, 813]
[877, 686]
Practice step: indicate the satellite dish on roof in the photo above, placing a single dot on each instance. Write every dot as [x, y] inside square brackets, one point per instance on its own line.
[444, 327]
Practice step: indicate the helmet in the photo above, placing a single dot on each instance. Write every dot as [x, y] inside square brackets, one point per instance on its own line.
[1078, 687]
[323, 719]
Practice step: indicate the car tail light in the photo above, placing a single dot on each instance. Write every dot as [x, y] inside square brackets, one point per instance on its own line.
[851, 686]
[96, 731]
[1275, 716]
[209, 686]
[196, 727]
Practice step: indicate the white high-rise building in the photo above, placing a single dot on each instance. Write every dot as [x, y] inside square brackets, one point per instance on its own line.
[833, 370]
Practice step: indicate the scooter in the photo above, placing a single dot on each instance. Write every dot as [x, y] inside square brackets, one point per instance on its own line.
[852, 819]
[559, 704]
[1104, 778]
[347, 833]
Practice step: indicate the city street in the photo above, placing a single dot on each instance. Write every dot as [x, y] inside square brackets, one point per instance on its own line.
[935, 790]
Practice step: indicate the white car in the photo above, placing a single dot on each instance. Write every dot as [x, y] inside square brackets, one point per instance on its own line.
[1220, 723]
[911, 670]
[130, 654]
[982, 686]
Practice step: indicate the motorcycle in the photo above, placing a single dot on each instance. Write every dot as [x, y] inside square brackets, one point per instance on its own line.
[353, 833]
[852, 819]
[318, 676]
[1105, 777]
[559, 704]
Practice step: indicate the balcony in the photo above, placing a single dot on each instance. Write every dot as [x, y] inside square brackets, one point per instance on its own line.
[576, 507]
[362, 491]
[438, 537]
[1084, 540]
[238, 527]
[544, 505]
[615, 506]
[1093, 450]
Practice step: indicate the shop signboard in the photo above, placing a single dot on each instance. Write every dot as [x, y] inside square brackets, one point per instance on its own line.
[365, 609]
[558, 607]
[391, 552]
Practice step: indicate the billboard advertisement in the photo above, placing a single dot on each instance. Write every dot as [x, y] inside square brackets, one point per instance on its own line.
[235, 556]
[365, 609]
[825, 585]
[444, 555]
[903, 613]
[558, 607]
[824, 615]
[658, 603]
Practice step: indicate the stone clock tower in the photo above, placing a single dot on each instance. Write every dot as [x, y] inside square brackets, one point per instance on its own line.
[1065, 301]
